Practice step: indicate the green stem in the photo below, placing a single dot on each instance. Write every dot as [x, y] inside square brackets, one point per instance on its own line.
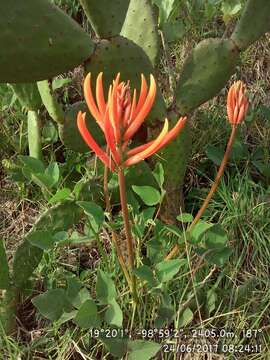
[130, 245]
[213, 189]
[114, 236]
[34, 135]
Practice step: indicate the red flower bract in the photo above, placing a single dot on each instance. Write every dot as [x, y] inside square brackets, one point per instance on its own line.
[120, 118]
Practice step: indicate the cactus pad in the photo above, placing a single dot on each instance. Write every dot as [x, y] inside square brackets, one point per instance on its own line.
[106, 17]
[39, 41]
[69, 133]
[27, 257]
[255, 21]
[28, 95]
[140, 26]
[122, 55]
[205, 72]
[53, 107]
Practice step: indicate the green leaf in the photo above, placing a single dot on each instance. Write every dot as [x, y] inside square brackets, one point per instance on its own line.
[211, 299]
[105, 288]
[60, 236]
[33, 165]
[67, 316]
[149, 195]
[174, 31]
[185, 217]
[73, 288]
[42, 239]
[263, 168]
[214, 154]
[198, 230]
[4, 272]
[87, 316]
[59, 83]
[145, 273]
[165, 9]
[42, 180]
[94, 212]
[218, 256]
[185, 318]
[53, 173]
[116, 346]
[143, 350]
[159, 174]
[114, 315]
[216, 237]
[60, 195]
[239, 151]
[82, 296]
[49, 133]
[167, 269]
[51, 304]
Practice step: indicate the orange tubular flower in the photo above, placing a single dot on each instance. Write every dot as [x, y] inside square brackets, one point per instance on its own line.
[237, 103]
[120, 118]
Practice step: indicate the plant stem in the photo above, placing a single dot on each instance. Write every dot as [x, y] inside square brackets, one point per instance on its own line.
[34, 136]
[214, 186]
[114, 236]
[130, 247]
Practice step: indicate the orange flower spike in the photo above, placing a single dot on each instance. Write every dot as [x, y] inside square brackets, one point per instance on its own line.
[88, 95]
[91, 142]
[237, 103]
[151, 149]
[143, 112]
[100, 95]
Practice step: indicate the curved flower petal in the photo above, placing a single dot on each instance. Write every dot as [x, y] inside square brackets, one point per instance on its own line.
[169, 137]
[113, 108]
[143, 94]
[88, 95]
[91, 142]
[100, 95]
[151, 149]
[144, 111]
[174, 131]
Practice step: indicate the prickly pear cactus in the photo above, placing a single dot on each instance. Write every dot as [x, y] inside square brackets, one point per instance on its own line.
[27, 257]
[34, 134]
[38, 41]
[69, 133]
[106, 17]
[111, 18]
[254, 23]
[53, 107]
[207, 69]
[141, 13]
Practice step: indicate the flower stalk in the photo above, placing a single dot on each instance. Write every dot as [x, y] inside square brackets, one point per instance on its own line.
[237, 106]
